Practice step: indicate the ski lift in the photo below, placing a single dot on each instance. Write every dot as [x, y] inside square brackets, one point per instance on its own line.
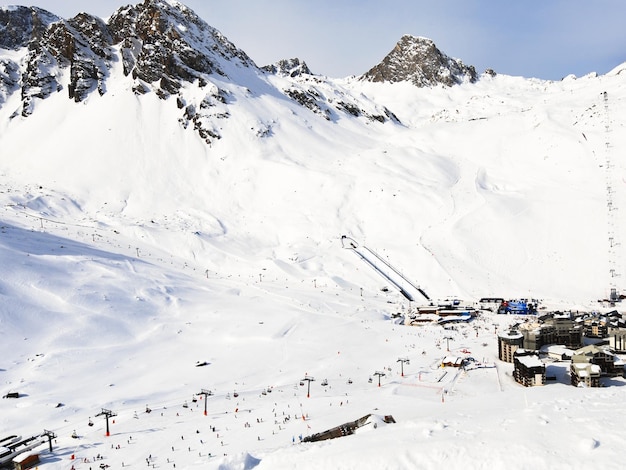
[194, 399]
[235, 394]
[263, 392]
[369, 380]
[302, 384]
[185, 405]
[74, 435]
[269, 389]
[349, 381]
[90, 423]
[324, 382]
[148, 410]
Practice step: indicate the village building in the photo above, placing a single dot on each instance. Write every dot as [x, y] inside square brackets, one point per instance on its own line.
[553, 330]
[508, 343]
[536, 335]
[556, 352]
[584, 373]
[617, 339]
[609, 363]
[595, 327]
[452, 361]
[490, 303]
[421, 319]
[566, 331]
[528, 369]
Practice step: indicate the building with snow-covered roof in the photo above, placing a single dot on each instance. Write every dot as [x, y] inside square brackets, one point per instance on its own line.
[556, 330]
[508, 343]
[528, 369]
[595, 327]
[609, 363]
[452, 361]
[584, 373]
[556, 352]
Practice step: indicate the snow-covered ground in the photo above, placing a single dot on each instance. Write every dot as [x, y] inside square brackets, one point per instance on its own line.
[141, 266]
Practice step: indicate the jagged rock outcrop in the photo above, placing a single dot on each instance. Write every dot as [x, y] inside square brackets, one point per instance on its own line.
[85, 44]
[288, 68]
[9, 78]
[19, 25]
[417, 60]
[169, 44]
[22, 27]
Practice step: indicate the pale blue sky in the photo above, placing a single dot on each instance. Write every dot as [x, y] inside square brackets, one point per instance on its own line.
[533, 38]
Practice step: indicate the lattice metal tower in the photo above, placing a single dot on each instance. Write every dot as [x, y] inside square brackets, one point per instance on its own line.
[612, 208]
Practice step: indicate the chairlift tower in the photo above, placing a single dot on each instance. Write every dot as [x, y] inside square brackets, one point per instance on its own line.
[402, 361]
[207, 394]
[107, 414]
[308, 379]
[379, 374]
[50, 435]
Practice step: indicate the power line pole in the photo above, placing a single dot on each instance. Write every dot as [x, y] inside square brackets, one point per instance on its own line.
[309, 379]
[206, 394]
[107, 414]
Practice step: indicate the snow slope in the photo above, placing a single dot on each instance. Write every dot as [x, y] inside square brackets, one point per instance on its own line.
[133, 253]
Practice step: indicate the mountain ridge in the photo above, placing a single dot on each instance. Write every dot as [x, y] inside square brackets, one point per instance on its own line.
[161, 44]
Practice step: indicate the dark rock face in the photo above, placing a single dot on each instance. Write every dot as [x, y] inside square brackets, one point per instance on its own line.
[288, 68]
[167, 44]
[19, 25]
[417, 60]
[9, 78]
[84, 42]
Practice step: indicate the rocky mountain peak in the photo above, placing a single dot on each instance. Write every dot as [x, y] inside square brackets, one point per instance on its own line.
[166, 41]
[419, 61]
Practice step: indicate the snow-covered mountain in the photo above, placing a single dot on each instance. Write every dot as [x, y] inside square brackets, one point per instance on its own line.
[168, 203]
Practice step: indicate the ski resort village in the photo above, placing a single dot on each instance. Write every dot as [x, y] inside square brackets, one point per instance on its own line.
[217, 264]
